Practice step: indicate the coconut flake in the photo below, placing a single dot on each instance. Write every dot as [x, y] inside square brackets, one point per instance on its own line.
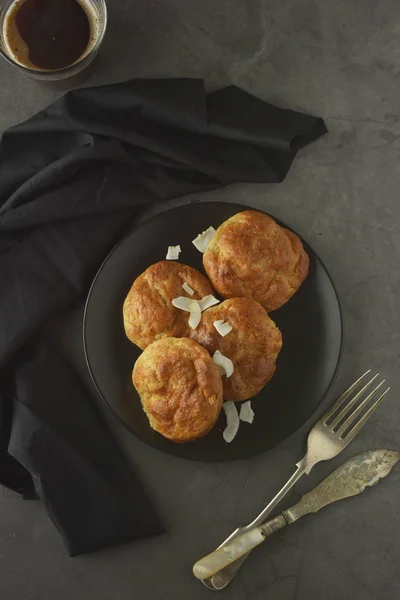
[246, 412]
[195, 314]
[173, 252]
[232, 421]
[190, 306]
[208, 301]
[203, 239]
[183, 303]
[224, 363]
[187, 288]
[222, 327]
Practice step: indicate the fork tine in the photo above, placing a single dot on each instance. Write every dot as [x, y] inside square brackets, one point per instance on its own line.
[354, 414]
[360, 424]
[349, 405]
[343, 398]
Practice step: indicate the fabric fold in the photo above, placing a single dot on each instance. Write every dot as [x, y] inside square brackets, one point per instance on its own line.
[85, 480]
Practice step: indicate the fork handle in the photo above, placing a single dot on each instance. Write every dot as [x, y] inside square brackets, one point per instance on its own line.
[221, 578]
[226, 555]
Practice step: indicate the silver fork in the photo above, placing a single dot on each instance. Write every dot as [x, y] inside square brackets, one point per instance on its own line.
[329, 436]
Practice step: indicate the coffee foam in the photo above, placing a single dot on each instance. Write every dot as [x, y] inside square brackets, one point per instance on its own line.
[18, 50]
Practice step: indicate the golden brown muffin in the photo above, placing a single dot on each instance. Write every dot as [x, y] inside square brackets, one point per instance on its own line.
[253, 344]
[180, 388]
[252, 256]
[148, 311]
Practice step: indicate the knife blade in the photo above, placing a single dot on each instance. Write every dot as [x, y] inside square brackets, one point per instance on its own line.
[350, 479]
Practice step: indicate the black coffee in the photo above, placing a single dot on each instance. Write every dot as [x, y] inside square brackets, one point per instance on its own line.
[56, 32]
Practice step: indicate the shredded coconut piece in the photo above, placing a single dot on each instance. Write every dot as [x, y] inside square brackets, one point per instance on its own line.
[225, 363]
[195, 315]
[182, 303]
[222, 327]
[246, 412]
[203, 239]
[232, 421]
[187, 288]
[173, 252]
[208, 301]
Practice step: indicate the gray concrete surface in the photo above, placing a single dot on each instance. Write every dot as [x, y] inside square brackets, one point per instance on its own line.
[340, 60]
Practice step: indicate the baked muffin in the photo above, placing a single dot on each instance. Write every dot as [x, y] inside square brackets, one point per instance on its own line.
[252, 345]
[180, 388]
[148, 311]
[250, 255]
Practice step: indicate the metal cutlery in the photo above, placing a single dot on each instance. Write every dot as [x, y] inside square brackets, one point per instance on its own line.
[329, 436]
[350, 479]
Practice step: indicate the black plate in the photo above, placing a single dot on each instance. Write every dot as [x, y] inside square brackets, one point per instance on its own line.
[310, 322]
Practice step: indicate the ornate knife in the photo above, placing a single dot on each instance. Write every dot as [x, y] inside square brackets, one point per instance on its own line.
[350, 479]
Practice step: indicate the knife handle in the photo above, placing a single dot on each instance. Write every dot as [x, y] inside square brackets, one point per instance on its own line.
[224, 556]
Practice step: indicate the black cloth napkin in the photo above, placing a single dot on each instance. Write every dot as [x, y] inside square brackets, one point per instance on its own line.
[72, 179]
